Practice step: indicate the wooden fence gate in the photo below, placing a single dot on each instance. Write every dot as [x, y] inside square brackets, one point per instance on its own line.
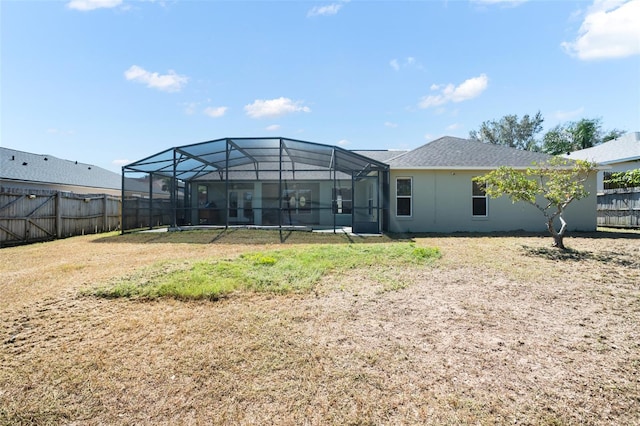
[28, 216]
[619, 208]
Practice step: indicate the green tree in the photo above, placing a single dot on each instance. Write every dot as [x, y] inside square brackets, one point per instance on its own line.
[586, 133]
[550, 187]
[558, 141]
[510, 131]
[576, 135]
[612, 134]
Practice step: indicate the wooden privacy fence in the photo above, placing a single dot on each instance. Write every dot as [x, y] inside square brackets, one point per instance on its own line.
[28, 216]
[619, 208]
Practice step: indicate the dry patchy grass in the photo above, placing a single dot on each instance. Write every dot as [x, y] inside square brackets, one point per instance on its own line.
[500, 330]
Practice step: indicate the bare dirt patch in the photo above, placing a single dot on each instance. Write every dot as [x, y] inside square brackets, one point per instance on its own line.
[500, 330]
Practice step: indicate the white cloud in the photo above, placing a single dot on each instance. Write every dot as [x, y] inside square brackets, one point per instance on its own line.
[327, 10]
[85, 5]
[272, 128]
[343, 142]
[122, 162]
[408, 62]
[60, 132]
[261, 108]
[170, 82]
[568, 115]
[390, 124]
[610, 29]
[468, 89]
[454, 126]
[190, 107]
[215, 112]
[507, 3]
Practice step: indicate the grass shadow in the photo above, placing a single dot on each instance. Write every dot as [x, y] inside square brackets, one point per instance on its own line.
[289, 236]
[609, 257]
[243, 236]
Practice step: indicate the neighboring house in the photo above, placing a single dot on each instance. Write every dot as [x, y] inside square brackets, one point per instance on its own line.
[284, 182]
[24, 170]
[618, 155]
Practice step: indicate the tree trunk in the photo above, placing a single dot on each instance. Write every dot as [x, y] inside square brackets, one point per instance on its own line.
[557, 242]
[558, 236]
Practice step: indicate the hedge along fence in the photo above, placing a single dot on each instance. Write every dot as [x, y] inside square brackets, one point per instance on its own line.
[619, 208]
[28, 216]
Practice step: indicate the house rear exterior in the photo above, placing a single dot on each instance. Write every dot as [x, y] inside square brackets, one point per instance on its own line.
[432, 190]
[283, 182]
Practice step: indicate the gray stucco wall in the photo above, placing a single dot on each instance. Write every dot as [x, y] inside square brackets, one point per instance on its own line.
[442, 202]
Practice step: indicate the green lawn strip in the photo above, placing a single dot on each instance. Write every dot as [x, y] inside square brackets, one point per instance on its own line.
[276, 271]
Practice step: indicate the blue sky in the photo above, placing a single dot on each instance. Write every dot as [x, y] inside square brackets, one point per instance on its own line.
[109, 82]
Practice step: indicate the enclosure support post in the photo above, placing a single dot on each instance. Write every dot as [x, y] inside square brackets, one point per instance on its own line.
[150, 200]
[280, 188]
[354, 205]
[386, 202]
[334, 193]
[226, 186]
[174, 194]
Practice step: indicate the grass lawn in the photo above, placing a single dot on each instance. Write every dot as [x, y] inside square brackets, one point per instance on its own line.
[257, 327]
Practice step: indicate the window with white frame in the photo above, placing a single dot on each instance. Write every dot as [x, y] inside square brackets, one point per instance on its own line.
[342, 200]
[403, 196]
[479, 199]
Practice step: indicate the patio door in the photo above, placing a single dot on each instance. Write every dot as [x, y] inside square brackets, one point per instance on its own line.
[366, 205]
[240, 206]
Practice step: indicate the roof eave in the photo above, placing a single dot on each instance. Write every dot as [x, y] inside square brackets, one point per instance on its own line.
[468, 168]
[622, 160]
[453, 167]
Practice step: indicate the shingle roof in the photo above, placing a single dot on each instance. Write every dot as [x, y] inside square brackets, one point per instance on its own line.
[383, 155]
[457, 153]
[25, 166]
[625, 148]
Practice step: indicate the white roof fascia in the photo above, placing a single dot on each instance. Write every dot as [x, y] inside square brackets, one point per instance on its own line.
[598, 167]
[622, 160]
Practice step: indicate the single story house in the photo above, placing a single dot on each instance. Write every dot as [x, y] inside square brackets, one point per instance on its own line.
[27, 171]
[618, 155]
[285, 182]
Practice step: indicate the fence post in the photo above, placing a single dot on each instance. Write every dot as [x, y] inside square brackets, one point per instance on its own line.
[58, 208]
[105, 216]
